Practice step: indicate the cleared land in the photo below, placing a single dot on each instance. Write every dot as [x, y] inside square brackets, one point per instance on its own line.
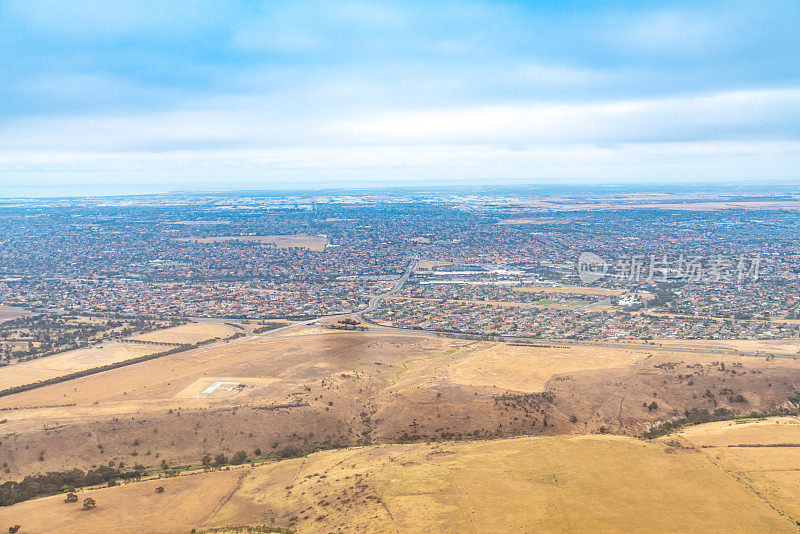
[313, 386]
[527, 370]
[187, 502]
[512, 222]
[10, 312]
[428, 265]
[777, 346]
[555, 484]
[310, 242]
[188, 333]
[575, 290]
[764, 454]
[71, 361]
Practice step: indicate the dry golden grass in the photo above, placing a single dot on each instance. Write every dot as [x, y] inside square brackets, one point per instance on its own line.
[577, 290]
[527, 369]
[186, 503]
[10, 312]
[552, 484]
[773, 471]
[188, 333]
[778, 346]
[71, 361]
[310, 242]
[427, 265]
[202, 387]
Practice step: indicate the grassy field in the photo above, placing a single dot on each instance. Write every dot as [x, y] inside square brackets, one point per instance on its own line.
[188, 333]
[187, 502]
[10, 312]
[71, 361]
[575, 290]
[764, 454]
[313, 386]
[310, 242]
[777, 346]
[551, 484]
[527, 369]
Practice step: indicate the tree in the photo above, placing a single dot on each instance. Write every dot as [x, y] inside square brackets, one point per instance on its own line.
[239, 458]
[257, 452]
[160, 489]
[220, 459]
[14, 529]
[206, 460]
[71, 497]
[89, 503]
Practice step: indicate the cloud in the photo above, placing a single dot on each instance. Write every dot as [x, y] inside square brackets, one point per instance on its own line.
[740, 114]
[322, 166]
[392, 87]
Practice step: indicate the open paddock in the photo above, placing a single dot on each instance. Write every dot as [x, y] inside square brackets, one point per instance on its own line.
[573, 290]
[527, 369]
[765, 454]
[188, 333]
[552, 484]
[10, 312]
[311, 242]
[71, 362]
[223, 387]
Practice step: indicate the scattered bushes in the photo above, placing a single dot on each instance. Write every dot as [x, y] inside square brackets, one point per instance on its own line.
[31, 486]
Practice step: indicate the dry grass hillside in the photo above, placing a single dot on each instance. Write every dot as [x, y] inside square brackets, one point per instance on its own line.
[312, 386]
[551, 484]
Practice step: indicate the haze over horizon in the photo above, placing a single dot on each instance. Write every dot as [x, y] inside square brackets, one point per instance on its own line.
[150, 96]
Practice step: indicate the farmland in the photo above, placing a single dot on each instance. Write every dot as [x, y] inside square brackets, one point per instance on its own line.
[188, 333]
[550, 484]
[762, 454]
[310, 386]
[70, 362]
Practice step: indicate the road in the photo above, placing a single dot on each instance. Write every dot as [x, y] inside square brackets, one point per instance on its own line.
[376, 300]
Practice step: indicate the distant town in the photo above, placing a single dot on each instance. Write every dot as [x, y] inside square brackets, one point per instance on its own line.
[501, 264]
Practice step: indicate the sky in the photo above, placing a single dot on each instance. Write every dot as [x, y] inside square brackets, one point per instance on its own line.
[154, 96]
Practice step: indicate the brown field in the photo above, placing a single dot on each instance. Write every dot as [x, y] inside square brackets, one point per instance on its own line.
[222, 387]
[188, 333]
[551, 484]
[187, 502]
[310, 242]
[428, 265]
[521, 369]
[71, 361]
[577, 290]
[776, 346]
[312, 386]
[767, 467]
[532, 221]
[11, 312]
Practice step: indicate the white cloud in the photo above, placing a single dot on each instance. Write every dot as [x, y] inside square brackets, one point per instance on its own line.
[743, 114]
[321, 166]
[259, 123]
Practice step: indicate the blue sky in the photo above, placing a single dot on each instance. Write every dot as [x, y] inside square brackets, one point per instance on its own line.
[225, 94]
